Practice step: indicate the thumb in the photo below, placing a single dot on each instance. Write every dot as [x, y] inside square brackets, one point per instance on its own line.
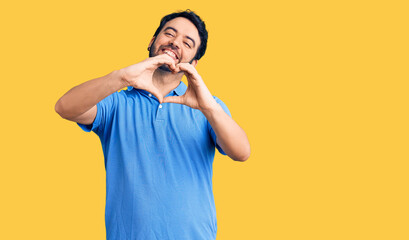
[155, 92]
[159, 97]
[173, 99]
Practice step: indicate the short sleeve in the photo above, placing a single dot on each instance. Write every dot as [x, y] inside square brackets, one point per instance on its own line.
[103, 119]
[212, 133]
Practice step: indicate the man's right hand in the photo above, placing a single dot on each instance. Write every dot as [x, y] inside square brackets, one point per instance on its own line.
[140, 74]
[80, 106]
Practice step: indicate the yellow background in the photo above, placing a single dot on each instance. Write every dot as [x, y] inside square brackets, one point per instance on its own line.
[320, 87]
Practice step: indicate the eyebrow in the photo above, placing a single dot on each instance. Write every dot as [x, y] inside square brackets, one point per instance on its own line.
[191, 39]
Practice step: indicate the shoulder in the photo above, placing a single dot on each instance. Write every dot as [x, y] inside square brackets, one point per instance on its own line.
[219, 101]
[127, 94]
[223, 105]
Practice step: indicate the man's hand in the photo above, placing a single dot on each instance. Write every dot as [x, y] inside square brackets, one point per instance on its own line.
[197, 95]
[229, 136]
[140, 74]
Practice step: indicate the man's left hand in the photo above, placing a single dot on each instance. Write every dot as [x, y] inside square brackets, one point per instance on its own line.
[197, 95]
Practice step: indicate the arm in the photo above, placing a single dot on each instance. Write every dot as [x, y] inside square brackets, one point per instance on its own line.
[230, 137]
[79, 103]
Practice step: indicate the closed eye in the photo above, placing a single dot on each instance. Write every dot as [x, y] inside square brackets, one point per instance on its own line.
[188, 45]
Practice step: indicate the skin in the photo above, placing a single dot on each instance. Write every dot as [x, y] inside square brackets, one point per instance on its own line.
[159, 74]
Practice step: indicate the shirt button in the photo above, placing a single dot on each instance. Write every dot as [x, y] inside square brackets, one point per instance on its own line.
[160, 105]
[150, 95]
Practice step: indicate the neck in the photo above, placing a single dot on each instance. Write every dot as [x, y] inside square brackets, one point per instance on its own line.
[166, 81]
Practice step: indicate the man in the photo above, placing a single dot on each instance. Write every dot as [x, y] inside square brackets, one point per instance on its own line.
[158, 154]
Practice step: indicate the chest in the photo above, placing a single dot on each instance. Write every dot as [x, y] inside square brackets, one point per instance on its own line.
[162, 125]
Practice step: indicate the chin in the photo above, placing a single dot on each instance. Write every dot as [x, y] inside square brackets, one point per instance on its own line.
[165, 68]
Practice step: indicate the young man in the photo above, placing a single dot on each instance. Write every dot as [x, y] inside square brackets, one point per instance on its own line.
[159, 137]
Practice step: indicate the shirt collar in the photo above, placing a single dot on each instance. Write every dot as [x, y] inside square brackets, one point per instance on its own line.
[179, 90]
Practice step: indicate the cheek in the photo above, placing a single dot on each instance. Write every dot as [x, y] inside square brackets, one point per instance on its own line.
[156, 44]
[188, 55]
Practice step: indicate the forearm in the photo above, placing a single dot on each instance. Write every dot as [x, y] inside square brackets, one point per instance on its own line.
[83, 97]
[230, 136]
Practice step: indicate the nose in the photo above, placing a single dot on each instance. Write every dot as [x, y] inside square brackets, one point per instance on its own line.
[175, 43]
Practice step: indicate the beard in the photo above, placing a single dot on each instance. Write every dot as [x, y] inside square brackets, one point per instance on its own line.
[152, 53]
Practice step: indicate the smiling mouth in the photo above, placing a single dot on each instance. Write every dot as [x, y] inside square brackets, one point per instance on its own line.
[171, 54]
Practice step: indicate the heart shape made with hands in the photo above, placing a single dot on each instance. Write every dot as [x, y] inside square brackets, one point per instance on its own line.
[197, 95]
[140, 75]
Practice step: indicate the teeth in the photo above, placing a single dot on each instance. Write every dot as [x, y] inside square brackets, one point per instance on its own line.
[170, 54]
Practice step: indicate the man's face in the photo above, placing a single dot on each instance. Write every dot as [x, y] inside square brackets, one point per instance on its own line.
[179, 39]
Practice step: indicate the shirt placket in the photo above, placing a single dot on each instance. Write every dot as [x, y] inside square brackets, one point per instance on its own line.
[160, 109]
[160, 112]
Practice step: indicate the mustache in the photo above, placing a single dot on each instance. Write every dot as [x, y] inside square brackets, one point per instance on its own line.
[170, 47]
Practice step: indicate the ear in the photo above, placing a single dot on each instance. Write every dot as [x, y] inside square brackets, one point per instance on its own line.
[194, 63]
[152, 40]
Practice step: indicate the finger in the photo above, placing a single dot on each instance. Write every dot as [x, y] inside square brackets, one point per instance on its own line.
[190, 72]
[173, 99]
[165, 59]
[158, 96]
[186, 67]
[154, 91]
[177, 69]
[162, 59]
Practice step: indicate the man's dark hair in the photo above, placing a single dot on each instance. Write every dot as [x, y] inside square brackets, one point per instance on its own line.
[196, 20]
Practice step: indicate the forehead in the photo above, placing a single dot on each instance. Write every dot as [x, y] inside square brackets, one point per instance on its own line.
[185, 27]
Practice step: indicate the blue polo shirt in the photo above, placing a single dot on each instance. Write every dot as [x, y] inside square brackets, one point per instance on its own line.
[158, 161]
